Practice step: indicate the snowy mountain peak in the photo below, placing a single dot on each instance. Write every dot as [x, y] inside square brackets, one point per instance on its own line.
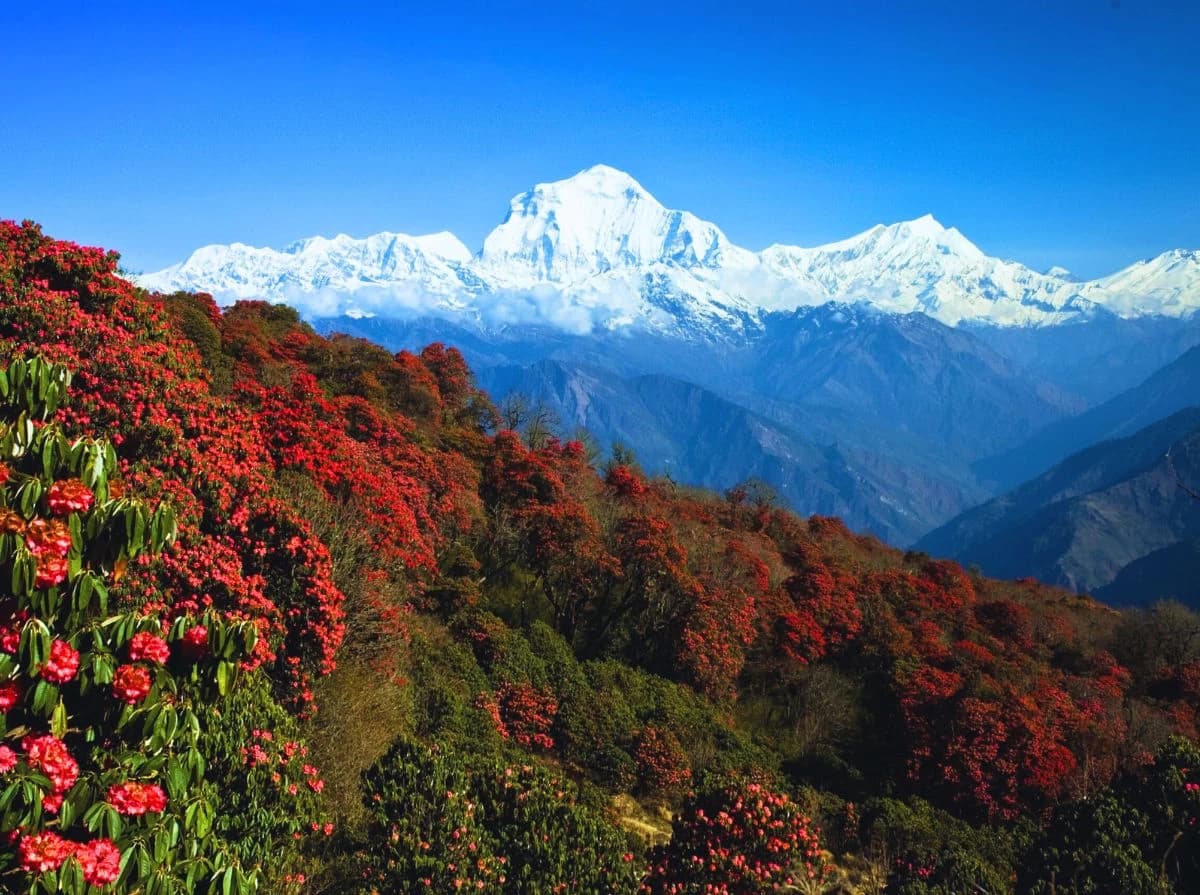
[598, 221]
[925, 226]
[927, 230]
[604, 180]
[1168, 284]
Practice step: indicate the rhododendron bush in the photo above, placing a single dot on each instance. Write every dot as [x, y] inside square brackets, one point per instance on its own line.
[444, 822]
[100, 774]
[739, 839]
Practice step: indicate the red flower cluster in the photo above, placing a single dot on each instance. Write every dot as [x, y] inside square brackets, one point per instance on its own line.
[43, 852]
[625, 482]
[49, 755]
[736, 840]
[134, 799]
[51, 571]
[10, 634]
[149, 648]
[661, 761]
[10, 696]
[528, 714]
[99, 859]
[131, 683]
[195, 641]
[71, 496]
[281, 757]
[48, 537]
[62, 663]
[8, 759]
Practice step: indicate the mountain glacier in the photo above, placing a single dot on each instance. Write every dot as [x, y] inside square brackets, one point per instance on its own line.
[597, 252]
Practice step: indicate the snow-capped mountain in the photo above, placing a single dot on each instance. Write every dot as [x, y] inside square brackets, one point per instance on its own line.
[595, 222]
[922, 266]
[1168, 285]
[598, 252]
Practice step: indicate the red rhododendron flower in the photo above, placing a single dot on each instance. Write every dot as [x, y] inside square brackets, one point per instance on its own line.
[48, 537]
[71, 496]
[148, 647]
[49, 755]
[52, 802]
[10, 634]
[51, 571]
[43, 852]
[62, 664]
[10, 695]
[131, 683]
[8, 759]
[3, 475]
[135, 798]
[100, 860]
[195, 641]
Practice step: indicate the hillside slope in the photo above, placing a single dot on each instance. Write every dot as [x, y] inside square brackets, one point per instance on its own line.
[499, 652]
[1080, 523]
[1166, 391]
[840, 380]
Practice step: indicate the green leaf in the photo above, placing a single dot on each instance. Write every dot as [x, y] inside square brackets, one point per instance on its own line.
[58, 720]
[224, 677]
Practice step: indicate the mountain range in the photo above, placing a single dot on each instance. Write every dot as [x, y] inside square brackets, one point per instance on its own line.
[598, 252]
[899, 378]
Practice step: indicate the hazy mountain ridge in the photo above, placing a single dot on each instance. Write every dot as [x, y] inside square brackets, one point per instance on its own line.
[1083, 521]
[1168, 390]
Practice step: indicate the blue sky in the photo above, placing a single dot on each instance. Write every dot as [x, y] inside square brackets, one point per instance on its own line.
[1063, 132]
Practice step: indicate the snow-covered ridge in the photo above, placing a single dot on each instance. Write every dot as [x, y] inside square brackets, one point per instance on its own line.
[598, 251]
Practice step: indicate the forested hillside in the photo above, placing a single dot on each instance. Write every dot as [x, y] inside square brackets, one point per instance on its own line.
[310, 616]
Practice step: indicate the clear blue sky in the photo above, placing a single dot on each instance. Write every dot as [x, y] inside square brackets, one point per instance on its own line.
[1051, 132]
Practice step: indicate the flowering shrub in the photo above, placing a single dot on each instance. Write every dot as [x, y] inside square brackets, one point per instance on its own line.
[924, 851]
[662, 765]
[240, 552]
[527, 715]
[102, 777]
[549, 842]
[736, 840]
[269, 790]
[1169, 794]
[427, 835]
